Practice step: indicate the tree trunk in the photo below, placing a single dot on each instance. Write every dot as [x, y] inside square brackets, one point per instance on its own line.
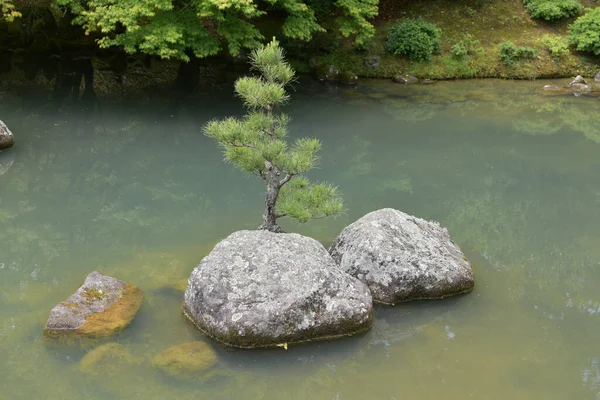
[269, 215]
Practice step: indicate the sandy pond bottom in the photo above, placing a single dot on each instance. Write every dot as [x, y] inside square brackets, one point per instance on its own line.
[134, 190]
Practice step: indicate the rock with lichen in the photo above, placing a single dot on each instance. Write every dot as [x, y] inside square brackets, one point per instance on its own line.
[108, 359]
[401, 257]
[7, 139]
[263, 289]
[185, 360]
[101, 307]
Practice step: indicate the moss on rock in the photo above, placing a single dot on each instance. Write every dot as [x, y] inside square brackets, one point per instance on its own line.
[186, 359]
[101, 307]
[109, 359]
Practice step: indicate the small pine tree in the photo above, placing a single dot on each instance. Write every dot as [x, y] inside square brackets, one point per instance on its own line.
[257, 144]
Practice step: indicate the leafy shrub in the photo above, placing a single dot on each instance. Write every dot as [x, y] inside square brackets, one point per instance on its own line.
[557, 46]
[584, 33]
[526, 53]
[459, 50]
[509, 53]
[465, 47]
[414, 38]
[552, 10]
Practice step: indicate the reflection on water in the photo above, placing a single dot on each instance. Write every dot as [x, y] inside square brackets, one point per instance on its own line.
[134, 190]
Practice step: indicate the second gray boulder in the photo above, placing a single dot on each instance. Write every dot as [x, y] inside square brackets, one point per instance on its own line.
[402, 258]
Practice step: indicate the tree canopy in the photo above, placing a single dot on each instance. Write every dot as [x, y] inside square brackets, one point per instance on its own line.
[176, 29]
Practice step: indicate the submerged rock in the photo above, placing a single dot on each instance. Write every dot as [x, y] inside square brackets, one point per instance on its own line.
[579, 88]
[108, 359]
[7, 139]
[402, 258]
[405, 79]
[101, 307]
[333, 74]
[185, 359]
[261, 289]
[552, 88]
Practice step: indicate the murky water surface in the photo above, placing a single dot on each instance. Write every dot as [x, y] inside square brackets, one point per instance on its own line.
[133, 189]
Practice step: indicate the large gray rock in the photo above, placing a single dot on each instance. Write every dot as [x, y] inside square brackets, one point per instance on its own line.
[7, 139]
[402, 258]
[577, 81]
[261, 289]
[597, 77]
[578, 88]
[101, 307]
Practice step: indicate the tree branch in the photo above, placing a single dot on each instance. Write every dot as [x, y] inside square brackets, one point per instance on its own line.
[286, 179]
[247, 146]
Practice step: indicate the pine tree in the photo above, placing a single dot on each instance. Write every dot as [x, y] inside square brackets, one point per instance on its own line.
[257, 144]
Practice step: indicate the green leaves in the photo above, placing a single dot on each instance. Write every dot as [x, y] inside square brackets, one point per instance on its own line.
[258, 94]
[584, 33]
[303, 200]
[354, 19]
[170, 29]
[8, 11]
[553, 10]
[256, 144]
[414, 38]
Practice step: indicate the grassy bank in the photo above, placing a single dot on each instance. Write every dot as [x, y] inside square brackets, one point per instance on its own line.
[487, 22]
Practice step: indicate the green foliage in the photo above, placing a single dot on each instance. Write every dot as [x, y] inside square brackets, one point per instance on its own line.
[552, 10]
[171, 29]
[459, 50]
[557, 46]
[303, 200]
[509, 53]
[584, 33]
[354, 19]
[257, 144]
[8, 11]
[414, 38]
[466, 46]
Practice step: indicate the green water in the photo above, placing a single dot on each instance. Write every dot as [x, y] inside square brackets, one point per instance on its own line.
[134, 190]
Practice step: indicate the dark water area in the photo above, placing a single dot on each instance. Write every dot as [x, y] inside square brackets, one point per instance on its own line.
[131, 188]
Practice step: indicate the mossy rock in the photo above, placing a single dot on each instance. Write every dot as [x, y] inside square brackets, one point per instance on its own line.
[186, 359]
[100, 308]
[108, 359]
[348, 78]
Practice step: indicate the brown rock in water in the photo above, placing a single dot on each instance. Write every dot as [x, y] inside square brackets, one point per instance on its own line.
[108, 359]
[101, 307]
[185, 359]
[7, 139]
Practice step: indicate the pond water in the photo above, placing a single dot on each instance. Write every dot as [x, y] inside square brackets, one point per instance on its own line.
[133, 189]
